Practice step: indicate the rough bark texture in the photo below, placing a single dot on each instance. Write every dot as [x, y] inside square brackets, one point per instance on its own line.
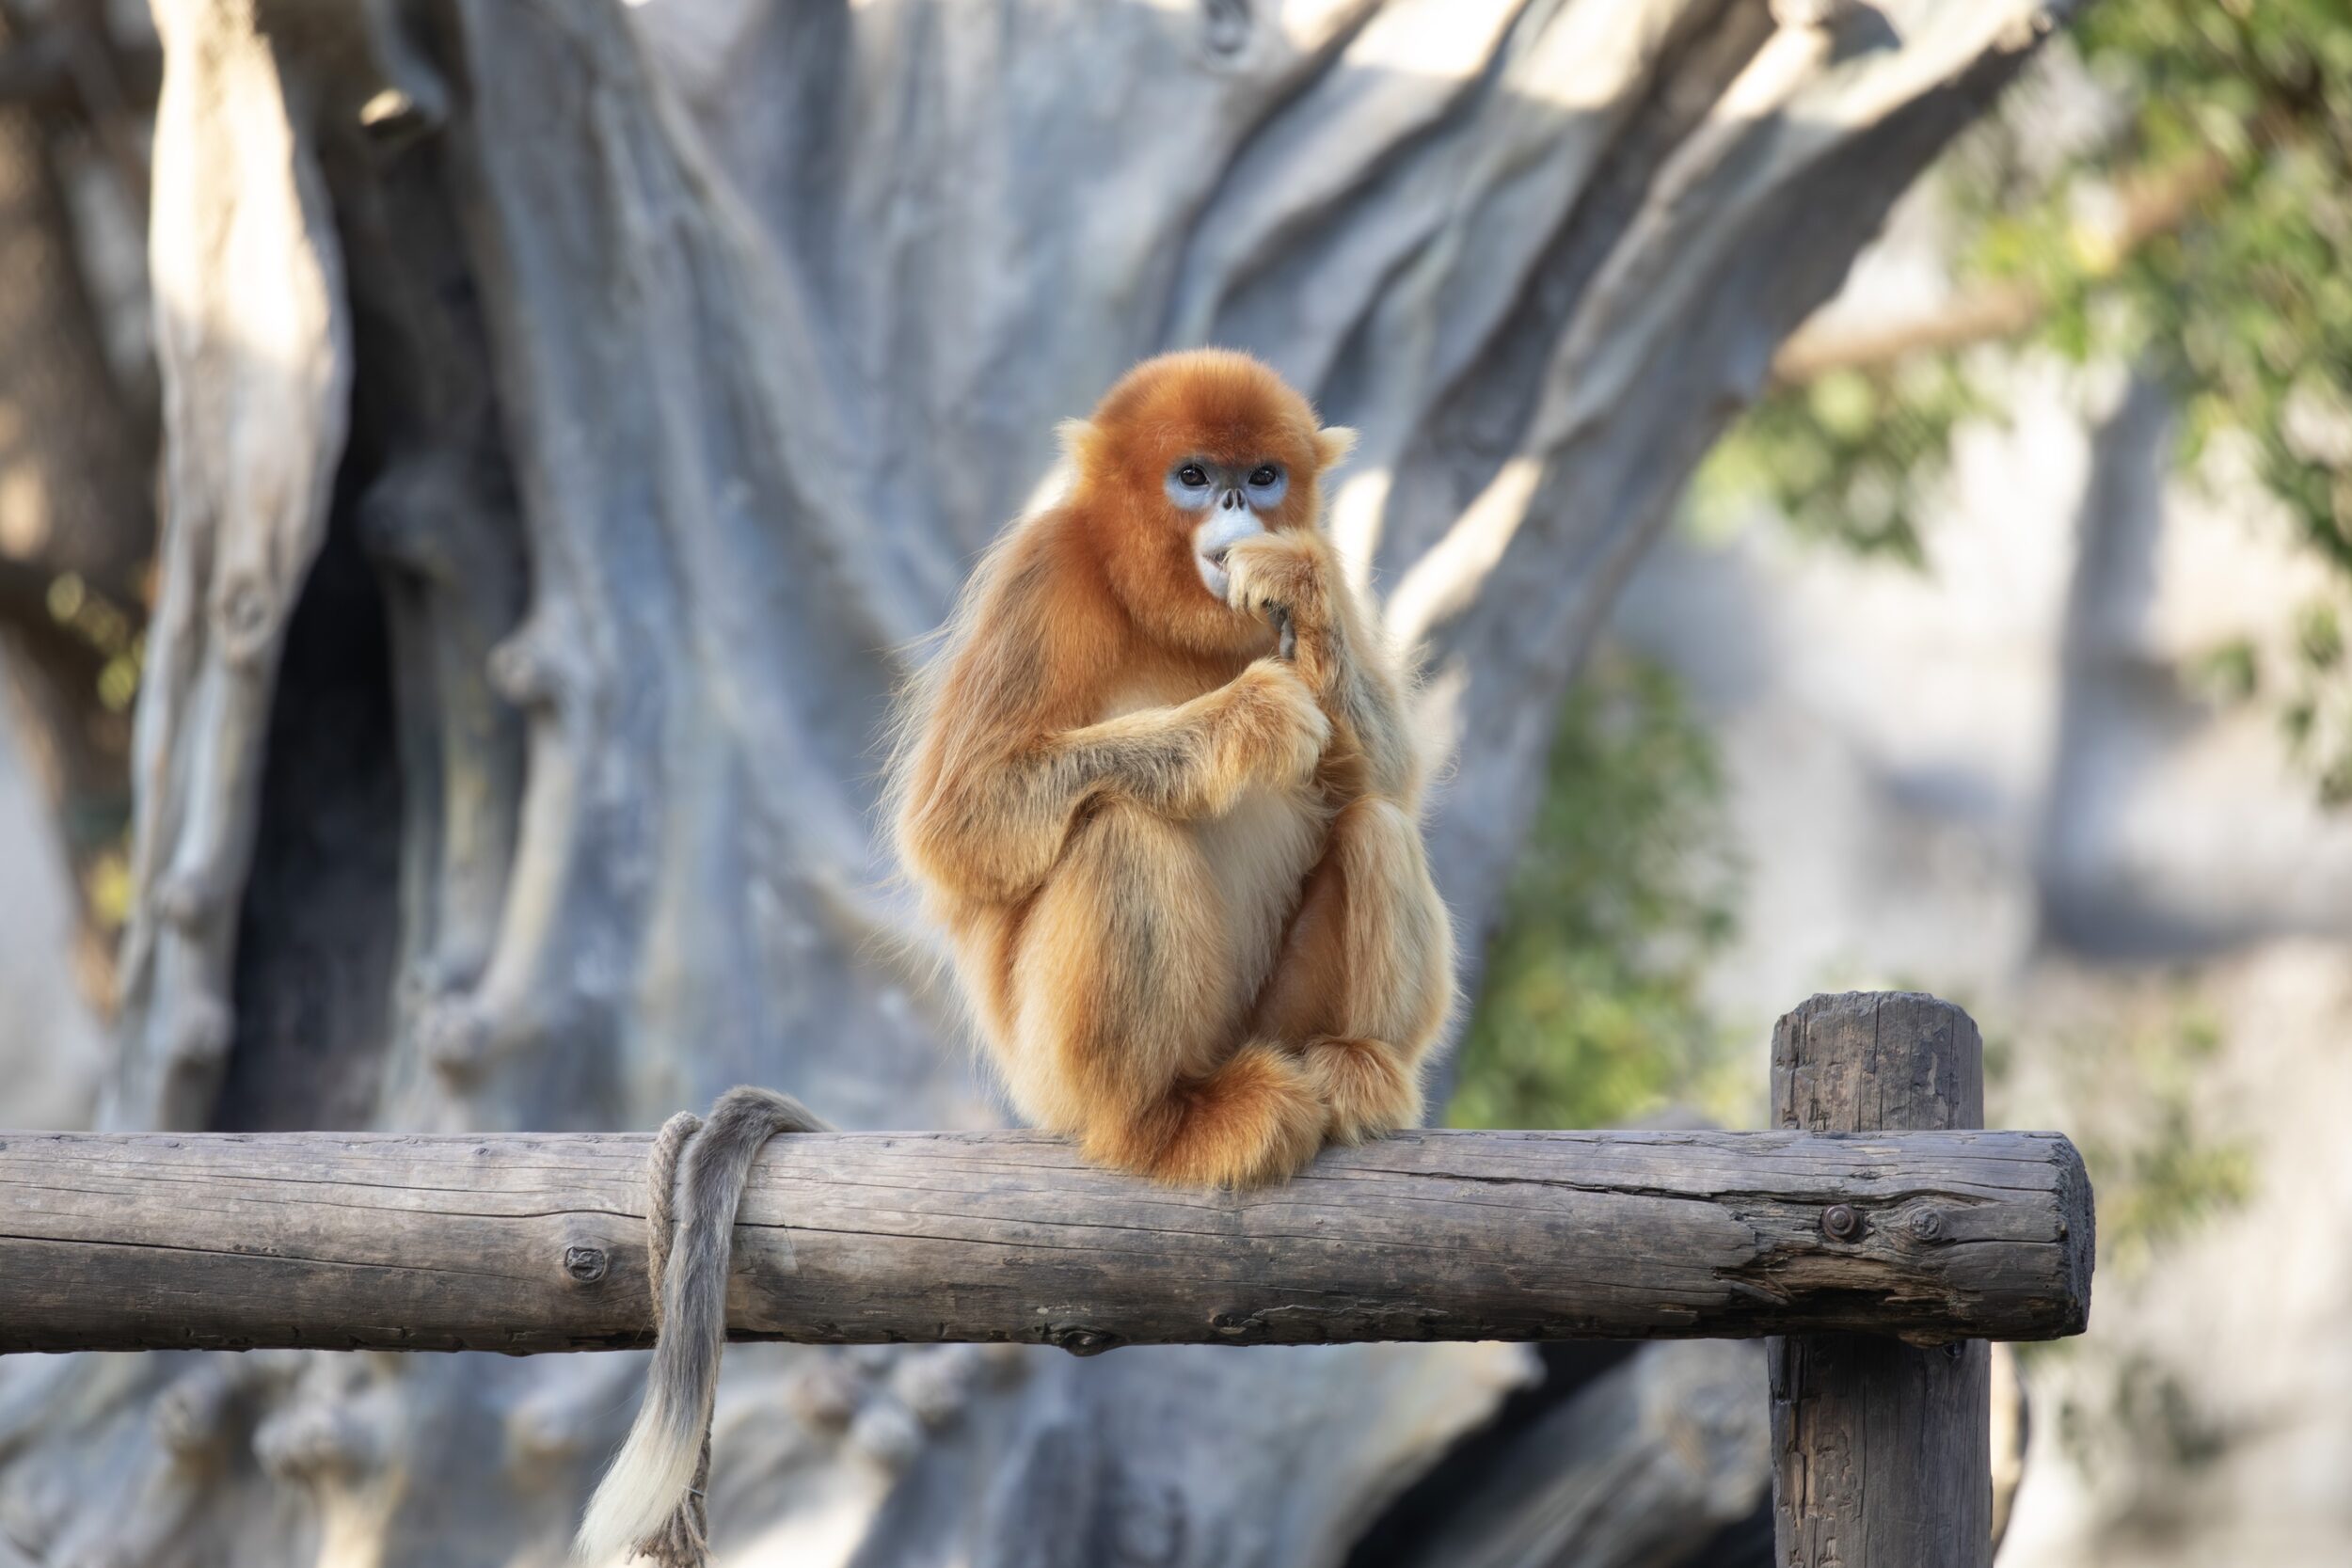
[398, 1242]
[1883, 1449]
[652, 373]
[1641, 1467]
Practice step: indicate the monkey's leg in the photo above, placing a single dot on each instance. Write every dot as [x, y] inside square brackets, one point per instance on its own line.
[1365, 978]
[1125, 1008]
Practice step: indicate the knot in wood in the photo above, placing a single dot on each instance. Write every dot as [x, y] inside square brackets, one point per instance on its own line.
[585, 1264]
[200, 1036]
[1226, 26]
[184, 900]
[825, 1395]
[529, 669]
[1840, 1222]
[1928, 1225]
[886, 1434]
[456, 1039]
[1084, 1341]
[317, 1443]
[244, 613]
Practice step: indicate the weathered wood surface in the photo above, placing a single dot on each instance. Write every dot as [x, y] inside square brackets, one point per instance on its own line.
[1882, 1450]
[537, 1241]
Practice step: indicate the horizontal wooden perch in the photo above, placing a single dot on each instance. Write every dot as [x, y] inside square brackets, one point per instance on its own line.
[538, 1241]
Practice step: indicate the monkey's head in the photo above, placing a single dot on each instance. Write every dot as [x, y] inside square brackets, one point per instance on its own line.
[1188, 454]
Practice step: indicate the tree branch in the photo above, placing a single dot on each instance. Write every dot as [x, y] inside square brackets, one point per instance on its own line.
[2153, 206]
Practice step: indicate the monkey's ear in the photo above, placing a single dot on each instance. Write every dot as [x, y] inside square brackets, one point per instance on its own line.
[1078, 440]
[1333, 443]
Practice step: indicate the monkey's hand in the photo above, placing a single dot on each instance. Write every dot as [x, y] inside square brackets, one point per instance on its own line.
[1289, 576]
[1268, 728]
[1292, 577]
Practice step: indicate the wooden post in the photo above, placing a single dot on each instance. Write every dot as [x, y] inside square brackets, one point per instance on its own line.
[1882, 1450]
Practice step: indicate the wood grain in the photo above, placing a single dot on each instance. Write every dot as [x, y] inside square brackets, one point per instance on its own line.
[1882, 1450]
[536, 1242]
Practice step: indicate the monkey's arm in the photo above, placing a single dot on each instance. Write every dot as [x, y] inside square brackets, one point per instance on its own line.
[1339, 654]
[988, 817]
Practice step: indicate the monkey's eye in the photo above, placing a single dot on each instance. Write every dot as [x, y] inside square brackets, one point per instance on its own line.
[1190, 476]
[1265, 476]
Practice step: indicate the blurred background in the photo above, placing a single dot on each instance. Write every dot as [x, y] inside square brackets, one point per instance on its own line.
[1995, 648]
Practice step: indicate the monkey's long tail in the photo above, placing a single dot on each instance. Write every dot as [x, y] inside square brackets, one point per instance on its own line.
[651, 1500]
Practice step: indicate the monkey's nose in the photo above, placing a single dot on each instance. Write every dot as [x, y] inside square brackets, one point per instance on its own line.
[1232, 500]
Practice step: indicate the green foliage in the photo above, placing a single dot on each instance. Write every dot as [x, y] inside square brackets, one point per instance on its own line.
[2197, 237]
[2138, 1421]
[98, 827]
[1590, 1014]
[1840, 456]
[2241, 115]
[2137, 1091]
[111, 631]
[2158, 1164]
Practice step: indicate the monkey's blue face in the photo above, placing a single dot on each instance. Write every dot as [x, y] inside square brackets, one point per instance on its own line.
[1229, 501]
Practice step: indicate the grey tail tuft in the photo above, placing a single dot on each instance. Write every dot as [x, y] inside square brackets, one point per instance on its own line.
[651, 1479]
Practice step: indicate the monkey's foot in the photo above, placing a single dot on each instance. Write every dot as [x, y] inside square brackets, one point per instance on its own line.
[1367, 1086]
[1257, 1120]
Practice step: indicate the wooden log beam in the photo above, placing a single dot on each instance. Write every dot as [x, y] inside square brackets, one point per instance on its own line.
[537, 1241]
[1882, 1451]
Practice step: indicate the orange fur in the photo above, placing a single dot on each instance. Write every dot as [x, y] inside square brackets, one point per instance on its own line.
[1181, 876]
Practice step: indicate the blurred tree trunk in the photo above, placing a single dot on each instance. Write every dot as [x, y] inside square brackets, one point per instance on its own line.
[76, 475]
[574, 414]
